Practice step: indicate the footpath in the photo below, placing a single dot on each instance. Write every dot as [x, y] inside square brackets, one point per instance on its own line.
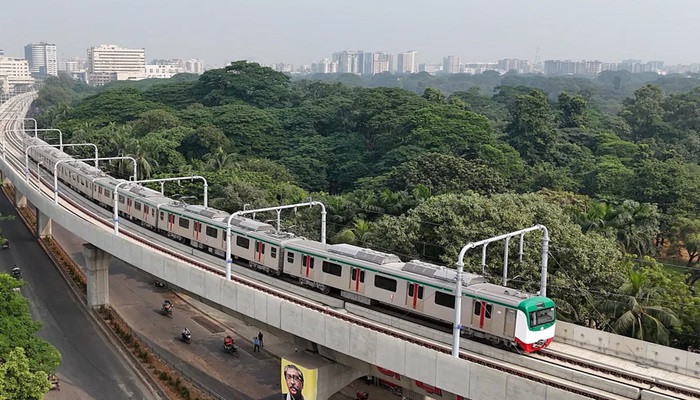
[252, 376]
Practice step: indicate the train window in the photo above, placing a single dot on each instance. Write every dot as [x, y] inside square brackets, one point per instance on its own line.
[307, 261]
[153, 212]
[212, 232]
[445, 300]
[145, 209]
[541, 317]
[411, 290]
[477, 308]
[184, 223]
[353, 275]
[385, 283]
[242, 242]
[273, 252]
[489, 307]
[162, 215]
[260, 247]
[290, 257]
[121, 199]
[198, 227]
[99, 190]
[332, 268]
[108, 193]
[137, 206]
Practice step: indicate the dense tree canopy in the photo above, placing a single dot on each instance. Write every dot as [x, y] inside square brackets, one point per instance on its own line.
[420, 165]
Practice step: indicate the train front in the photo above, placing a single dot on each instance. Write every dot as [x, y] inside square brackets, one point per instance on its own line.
[535, 323]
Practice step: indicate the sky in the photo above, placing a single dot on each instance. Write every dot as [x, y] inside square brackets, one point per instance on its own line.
[302, 31]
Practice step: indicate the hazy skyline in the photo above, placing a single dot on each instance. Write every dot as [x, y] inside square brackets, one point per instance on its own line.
[302, 31]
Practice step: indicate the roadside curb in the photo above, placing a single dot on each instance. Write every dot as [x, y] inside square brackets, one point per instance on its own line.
[117, 344]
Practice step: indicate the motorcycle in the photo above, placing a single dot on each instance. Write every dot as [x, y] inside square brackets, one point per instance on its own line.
[232, 349]
[158, 284]
[16, 273]
[186, 337]
[5, 245]
[167, 309]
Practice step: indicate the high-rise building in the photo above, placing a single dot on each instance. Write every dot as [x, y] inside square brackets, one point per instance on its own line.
[324, 66]
[42, 58]
[348, 61]
[108, 63]
[14, 72]
[432, 69]
[194, 66]
[450, 65]
[381, 62]
[74, 65]
[407, 62]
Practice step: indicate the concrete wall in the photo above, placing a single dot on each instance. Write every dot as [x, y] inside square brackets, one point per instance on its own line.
[646, 353]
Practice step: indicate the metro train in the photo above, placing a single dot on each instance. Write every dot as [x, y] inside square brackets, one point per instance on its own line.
[502, 315]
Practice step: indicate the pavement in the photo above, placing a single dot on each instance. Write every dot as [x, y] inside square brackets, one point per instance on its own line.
[91, 367]
[254, 375]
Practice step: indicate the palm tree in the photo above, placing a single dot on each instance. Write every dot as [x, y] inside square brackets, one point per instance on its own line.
[219, 159]
[637, 225]
[358, 235]
[636, 317]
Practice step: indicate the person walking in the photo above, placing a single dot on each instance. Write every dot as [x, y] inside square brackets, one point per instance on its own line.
[260, 338]
[256, 344]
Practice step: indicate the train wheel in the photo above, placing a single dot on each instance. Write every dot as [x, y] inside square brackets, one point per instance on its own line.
[324, 289]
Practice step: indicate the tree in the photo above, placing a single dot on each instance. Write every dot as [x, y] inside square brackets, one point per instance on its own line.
[573, 109]
[154, 120]
[17, 381]
[247, 81]
[358, 234]
[644, 113]
[531, 131]
[635, 315]
[443, 173]
[203, 140]
[17, 329]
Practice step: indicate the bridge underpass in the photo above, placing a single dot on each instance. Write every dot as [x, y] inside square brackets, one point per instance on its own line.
[356, 343]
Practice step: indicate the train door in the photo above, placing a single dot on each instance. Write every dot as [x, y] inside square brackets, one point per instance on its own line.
[509, 326]
[128, 206]
[307, 266]
[171, 222]
[414, 296]
[481, 315]
[197, 230]
[357, 280]
[259, 255]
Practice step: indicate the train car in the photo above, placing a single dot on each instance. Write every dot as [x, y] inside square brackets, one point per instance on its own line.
[502, 315]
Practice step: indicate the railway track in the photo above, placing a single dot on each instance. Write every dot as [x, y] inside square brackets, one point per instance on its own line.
[630, 385]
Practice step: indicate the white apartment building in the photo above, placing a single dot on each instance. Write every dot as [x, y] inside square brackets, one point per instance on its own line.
[107, 63]
[14, 72]
[74, 65]
[194, 66]
[324, 66]
[407, 62]
[42, 58]
[163, 71]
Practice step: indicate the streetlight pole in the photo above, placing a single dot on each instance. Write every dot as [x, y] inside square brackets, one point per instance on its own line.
[460, 273]
[229, 259]
[116, 197]
[55, 170]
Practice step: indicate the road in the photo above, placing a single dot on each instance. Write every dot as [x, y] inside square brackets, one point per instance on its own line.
[91, 368]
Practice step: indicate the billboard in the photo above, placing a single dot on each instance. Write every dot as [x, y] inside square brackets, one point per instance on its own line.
[297, 382]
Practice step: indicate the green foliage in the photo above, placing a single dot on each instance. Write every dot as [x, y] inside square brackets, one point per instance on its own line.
[419, 164]
[18, 381]
[17, 329]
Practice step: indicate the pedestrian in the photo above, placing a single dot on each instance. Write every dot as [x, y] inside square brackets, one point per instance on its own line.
[256, 344]
[260, 338]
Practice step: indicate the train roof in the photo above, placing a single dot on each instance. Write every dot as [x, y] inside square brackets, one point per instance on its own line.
[207, 212]
[359, 253]
[86, 169]
[501, 294]
[441, 273]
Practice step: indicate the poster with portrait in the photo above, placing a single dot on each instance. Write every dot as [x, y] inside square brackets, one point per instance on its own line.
[297, 382]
